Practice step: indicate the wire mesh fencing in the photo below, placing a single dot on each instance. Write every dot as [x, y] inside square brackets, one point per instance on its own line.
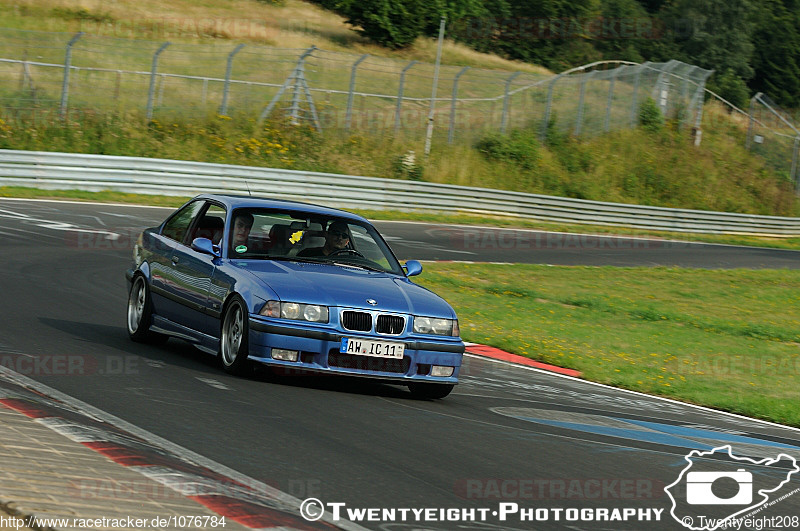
[772, 134]
[60, 73]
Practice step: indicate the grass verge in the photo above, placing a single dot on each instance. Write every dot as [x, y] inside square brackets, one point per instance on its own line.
[792, 243]
[723, 339]
[657, 168]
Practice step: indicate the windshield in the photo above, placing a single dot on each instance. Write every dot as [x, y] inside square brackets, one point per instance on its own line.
[276, 235]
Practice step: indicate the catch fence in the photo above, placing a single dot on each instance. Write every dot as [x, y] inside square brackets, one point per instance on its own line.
[64, 75]
[331, 91]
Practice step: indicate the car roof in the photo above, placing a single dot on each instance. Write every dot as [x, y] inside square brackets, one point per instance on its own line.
[232, 201]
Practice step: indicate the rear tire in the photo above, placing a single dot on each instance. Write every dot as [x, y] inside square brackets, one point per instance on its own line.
[233, 339]
[430, 391]
[140, 313]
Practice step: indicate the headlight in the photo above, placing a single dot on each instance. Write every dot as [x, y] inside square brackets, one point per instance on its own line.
[313, 313]
[290, 310]
[422, 325]
[439, 327]
[295, 311]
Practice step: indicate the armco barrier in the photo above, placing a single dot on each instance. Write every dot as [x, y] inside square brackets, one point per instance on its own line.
[47, 170]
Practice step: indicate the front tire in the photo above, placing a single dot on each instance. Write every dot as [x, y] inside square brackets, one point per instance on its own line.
[233, 341]
[140, 313]
[430, 391]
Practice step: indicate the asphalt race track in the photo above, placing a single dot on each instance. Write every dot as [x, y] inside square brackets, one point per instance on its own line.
[423, 241]
[507, 435]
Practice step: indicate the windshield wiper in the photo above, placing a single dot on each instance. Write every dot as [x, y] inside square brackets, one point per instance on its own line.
[295, 259]
[358, 266]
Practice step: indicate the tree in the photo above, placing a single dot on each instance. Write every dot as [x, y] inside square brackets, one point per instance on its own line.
[398, 24]
[730, 86]
[626, 26]
[713, 34]
[553, 33]
[776, 59]
[388, 23]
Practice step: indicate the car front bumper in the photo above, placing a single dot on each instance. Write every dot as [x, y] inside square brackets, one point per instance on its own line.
[318, 351]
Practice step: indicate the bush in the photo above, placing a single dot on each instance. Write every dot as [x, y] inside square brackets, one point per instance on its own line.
[731, 87]
[390, 24]
[520, 147]
[650, 117]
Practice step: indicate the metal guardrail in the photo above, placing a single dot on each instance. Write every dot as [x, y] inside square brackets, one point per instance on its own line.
[47, 170]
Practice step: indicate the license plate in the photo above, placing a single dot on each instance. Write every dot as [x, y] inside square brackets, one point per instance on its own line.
[367, 347]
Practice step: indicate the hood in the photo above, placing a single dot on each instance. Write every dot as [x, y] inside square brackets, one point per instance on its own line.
[334, 285]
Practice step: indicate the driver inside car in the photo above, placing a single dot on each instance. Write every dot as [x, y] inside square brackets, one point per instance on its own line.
[240, 233]
[337, 238]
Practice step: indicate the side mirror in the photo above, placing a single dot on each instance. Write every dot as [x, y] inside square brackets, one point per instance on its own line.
[204, 245]
[413, 268]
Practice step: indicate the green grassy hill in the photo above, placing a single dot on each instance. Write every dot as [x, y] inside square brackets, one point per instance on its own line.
[659, 167]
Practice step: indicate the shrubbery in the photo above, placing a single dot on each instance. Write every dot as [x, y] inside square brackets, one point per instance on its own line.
[650, 116]
[519, 147]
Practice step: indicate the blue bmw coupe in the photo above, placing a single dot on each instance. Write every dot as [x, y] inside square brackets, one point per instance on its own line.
[292, 285]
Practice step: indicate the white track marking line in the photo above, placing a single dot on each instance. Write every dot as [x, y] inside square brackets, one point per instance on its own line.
[637, 393]
[171, 447]
[43, 234]
[126, 205]
[52, 224]
[214, 383]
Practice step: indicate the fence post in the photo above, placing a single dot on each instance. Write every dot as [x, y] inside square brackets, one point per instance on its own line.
[28, 78]
[547, 108]
[635, 99]
[579, 120]
[751, 122]
[794, 175]
[162, 83]
[434, 88]
[296, 74]
[698, 101]
[451, 132]
[310, 100]
[661, 90]
[400, 95]
[23, 80]
[153, 70]
[685, 96]
[223, 109]
[67, 65]
[506, 100]
[118, 85]
[609, 103]
[349, 112]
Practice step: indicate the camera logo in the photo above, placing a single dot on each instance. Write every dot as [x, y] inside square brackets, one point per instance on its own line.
[734, 492]
[699, 488]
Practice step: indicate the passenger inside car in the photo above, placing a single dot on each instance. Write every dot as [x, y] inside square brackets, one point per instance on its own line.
[337, 238]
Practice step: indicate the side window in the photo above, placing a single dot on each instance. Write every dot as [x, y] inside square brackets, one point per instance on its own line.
[179, 223]
[365, 243]
[210, 225]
